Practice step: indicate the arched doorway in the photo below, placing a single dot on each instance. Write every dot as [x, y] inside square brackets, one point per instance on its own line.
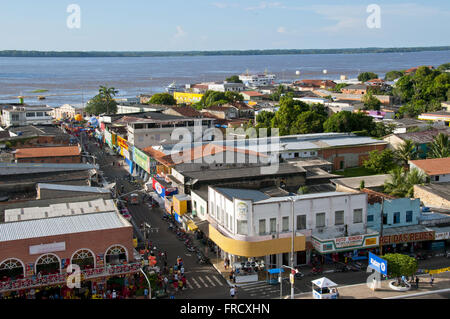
[48, 264]
[83, 258]
[11, 269]
[116, 255]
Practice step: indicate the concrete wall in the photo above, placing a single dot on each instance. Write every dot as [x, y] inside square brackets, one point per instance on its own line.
[401, 205]
[59, 159]
[50, 193]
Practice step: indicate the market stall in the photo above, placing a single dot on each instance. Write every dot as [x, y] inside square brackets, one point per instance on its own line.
[324, 288]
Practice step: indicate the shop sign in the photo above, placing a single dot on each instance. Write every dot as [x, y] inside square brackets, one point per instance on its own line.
[141, 159]
[125, 153]
[442, 236]
[344, 242]
[108, 138]
[242, 210]
[407, 238]
[47, 248]
[377, 263]
[122, 143]
[371, 241]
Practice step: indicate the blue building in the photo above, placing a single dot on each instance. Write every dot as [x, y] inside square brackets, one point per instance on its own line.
[397, 212]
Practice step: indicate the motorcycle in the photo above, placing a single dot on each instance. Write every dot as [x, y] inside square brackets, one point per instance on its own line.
[316, 271]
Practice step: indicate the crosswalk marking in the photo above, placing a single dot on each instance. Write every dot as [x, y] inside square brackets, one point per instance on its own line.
[204, 283]
[218, 281]
[212, 283]
[196, 283]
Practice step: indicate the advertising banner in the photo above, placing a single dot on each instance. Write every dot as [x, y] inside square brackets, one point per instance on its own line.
[141, 159]
[407, 238]
[380, 265]
[122, 143]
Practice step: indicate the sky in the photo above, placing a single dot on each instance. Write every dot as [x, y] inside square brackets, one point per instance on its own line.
[181, 25]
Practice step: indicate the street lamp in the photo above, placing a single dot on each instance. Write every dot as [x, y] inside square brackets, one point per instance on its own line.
[149, 286]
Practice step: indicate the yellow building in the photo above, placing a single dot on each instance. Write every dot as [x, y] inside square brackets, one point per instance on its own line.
[187, 98]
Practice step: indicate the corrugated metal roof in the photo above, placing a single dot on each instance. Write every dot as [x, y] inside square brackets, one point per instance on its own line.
[61, 226]
[72, 188]
[308, 196]
[242, 194]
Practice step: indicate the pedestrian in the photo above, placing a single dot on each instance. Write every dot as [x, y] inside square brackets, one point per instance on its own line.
[225, 265]
[180, 285]
[166, 281]
[417, 282]
[431, 280]
[175, 277]
[146, 293]
[114, 294]
[182, 270]
[183, 279]
[231, 275]
[233, 292]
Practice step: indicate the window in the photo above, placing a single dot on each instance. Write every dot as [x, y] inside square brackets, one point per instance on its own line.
[397, 218]
[226, 220]
[301, 222]
[242, 227]
[273, 225]
[320, 220]
[285, 225]
[218, 213]
[409, 216]
[436, 178]
[384, 219]
[262, 226]
[369, 218]
[202, 210]
[357, 216]
[339, 217]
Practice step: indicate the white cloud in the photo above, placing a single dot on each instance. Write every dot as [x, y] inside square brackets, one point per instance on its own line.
[180, 32]
[266, 5]
[281, 30]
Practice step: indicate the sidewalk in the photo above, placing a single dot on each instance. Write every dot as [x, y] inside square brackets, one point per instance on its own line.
[361, 291]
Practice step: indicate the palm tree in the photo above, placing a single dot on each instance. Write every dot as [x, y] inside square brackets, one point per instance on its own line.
[440, 147]
[106, 94]
[407, 152]
[414, 177]
[402, 183]
[396, 185]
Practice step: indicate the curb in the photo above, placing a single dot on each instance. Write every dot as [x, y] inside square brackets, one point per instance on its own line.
[420, 294]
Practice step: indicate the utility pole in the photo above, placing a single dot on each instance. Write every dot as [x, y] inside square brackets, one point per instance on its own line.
[381, 225]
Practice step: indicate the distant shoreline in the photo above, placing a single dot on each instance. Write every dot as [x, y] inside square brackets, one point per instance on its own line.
[105, 54]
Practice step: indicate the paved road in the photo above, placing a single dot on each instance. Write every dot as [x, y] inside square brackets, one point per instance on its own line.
[203, 281]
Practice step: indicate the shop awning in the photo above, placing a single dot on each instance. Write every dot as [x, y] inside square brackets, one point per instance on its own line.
[324, 283]
[191, 225]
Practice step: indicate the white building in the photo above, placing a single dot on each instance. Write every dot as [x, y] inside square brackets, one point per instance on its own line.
[27, 115]
[257, 80]
[68, 111]
[226, 87]
[248, 216]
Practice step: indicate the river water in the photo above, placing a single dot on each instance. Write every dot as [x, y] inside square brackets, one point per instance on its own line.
[79, 78]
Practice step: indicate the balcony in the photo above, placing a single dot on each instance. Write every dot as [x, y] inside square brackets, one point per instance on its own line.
[57, 279]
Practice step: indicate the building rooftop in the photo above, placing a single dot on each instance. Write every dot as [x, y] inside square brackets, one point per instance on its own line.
[423, 137]
[73, 188]
[61, 226]
[245, 194]
[355, 182]
[434, 166]
[440, 189]
[33, 168]
[57, 151]
[187, 111]
[308, 197]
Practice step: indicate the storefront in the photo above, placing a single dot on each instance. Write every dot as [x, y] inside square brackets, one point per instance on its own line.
[142, 162]
[441, 239]
[163, 188]
[407, 239]
[337, 249]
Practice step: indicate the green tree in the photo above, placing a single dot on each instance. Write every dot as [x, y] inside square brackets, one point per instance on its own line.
[163, 99]
[362, 185]
[264, 119]
[287, 114]
[308, 122]
[371, 102]
[380, 161]
[413, 108]
[401, 182]
[381, 129]
[440, 147]
[400, 265]
[233, 79]
[234, 96]
[407, 151]
[282, 91]
[346, 121]
[444, 67]
[366, 76]
[339, 87]
[392, 75]
[103, 102]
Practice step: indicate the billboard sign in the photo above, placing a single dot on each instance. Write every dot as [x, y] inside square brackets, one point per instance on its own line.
[378, 264]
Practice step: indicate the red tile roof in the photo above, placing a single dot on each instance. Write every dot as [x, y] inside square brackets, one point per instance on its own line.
[59, 151]
[187, 111]
[434, 166]
[253, 93]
